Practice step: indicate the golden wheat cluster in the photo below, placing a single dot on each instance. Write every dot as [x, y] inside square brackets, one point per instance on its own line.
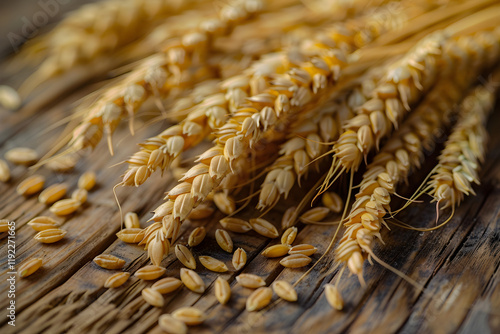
[292, 95]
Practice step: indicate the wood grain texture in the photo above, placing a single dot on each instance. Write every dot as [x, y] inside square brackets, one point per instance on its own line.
[458, 264]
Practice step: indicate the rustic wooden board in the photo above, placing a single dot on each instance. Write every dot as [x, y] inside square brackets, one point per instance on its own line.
[458, 264]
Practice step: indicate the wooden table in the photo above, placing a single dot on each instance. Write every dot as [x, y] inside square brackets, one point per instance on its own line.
[458, 264]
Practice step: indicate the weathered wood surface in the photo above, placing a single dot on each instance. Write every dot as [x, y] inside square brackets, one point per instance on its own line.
[458, 264]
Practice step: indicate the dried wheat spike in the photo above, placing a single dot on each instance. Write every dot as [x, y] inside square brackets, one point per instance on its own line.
[182, 62]
[95, 30]
[308, 132]
[403, 152]
[288, 93]
[464, 150]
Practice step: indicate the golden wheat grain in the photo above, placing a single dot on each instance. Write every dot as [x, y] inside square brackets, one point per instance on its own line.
[235, 225]
[213, 264]
[172, 325]
[333, 297]
[65, 207]
[263, 227]
[189, 315]
[285, 290]
[167, 285]
[303, 249]
[131, 235]
[152, 297]
[42, 223]
[185, 256]
[116, 280]
[222, 290]
[332, 201]
[197, 236]
[4, 225]
[192, 280]
[224, 240]
[87, 181]
[276, 250]
[50, 236]
[295, 261]
[22, 156]
[289, 236]
[31, 185]
[80, 195]
[4, 171]
[150, 272]
[250, 281]
[239, 259]
[108, 261]
[29, 267]
[259, 299]
[53, 193]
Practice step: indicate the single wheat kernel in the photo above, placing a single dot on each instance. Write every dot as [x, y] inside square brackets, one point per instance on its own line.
[295, 261]
[53, 193]
[4, 225]
[87, 181]
[224, 203]
[334, 297]
[116, 280]
[189, 315]
[332, 201]
[197, 236]
[235, 225]
[224, 240]
[184, 255]
[9, 98]
[150, 272]
[4, 171]
[303, 249]
[202, 211]
[239, 259]
[263, 227]
[172, 325]
[22, 156]
[31, 185]
[285, 290]
[167, 285]
[250, 281]
[192, 280]
[80, 195]
[289, 236]
[108, 261]
[64, 163]
[288, 217]
[50, 236]
[29, 267]
[131, 235]
[152, 297]
[42, 223]
[277, 250]
[213, 264]
[314, 214]
[259, 299]
[131, 220]
[65, 207]
[222, 290]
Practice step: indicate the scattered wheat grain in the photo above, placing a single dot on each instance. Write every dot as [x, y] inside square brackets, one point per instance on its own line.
[4, 171]
[303, 249]
[263, 227]
[235, 225]
[53, 193]
[213, 264]
[289, 236]
[116, 280]
[152, 297]
[276, 250]
[332, 201]
[285, 290]
[29, 267]
[9, 98]
[31, 185]
[197, 236]
[42, 223]
[65, 207]
[224, 203]
[259, 299]
[22, 156]
[250, 281]
[50, 235]
[184, 255]
[150, 272]
[224, 240]
[192, 280]
[189, 315]
[314, 215]
[222, 290]
[108, 261]
[167, 285]
[131, 235]
[334, 297]
[87, 181]
[131, 220]
[172, 325]
[295, 261]
[202, 211]
[80, 195]
[239, 259]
